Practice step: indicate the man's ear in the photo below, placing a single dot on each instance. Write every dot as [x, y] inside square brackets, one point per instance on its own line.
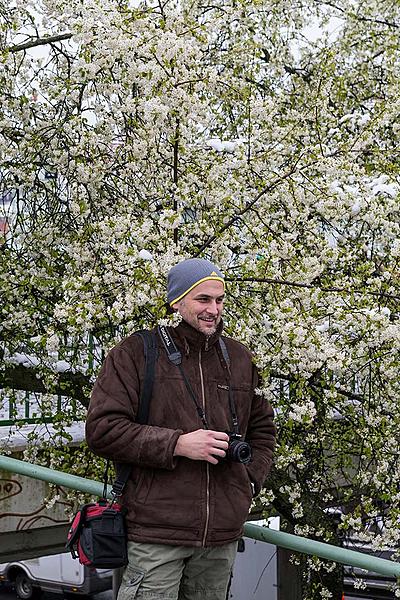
[169, 310]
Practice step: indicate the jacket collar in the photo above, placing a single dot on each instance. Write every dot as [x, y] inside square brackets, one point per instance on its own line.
[188, 338]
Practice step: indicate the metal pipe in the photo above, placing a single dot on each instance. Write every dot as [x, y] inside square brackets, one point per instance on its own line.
[51, 476]
[264, 534]
[323, 550]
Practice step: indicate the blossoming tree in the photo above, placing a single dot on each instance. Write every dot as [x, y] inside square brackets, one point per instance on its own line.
[133, 135]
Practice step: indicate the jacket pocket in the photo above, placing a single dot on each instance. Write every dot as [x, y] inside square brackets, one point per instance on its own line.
[172, 498]
[232, 497]
[144, 485]
[137, 489]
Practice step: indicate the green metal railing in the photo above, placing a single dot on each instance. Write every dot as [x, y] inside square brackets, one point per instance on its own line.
[264, 534]
[26, 410]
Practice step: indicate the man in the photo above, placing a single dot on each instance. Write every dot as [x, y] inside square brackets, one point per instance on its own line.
[190, 488]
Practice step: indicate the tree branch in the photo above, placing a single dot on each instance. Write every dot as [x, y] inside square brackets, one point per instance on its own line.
[247, 207]
[72, 385]
[341, 391]
[175, 176]
[360, 17]
[311, 286]
[40, 42]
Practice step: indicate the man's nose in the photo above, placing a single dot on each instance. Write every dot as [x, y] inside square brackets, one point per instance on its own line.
[212, 307]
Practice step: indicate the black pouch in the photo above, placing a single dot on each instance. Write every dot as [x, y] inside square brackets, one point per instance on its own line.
[97, 536]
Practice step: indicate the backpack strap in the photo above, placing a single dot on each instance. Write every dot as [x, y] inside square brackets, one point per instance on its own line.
[150, 355]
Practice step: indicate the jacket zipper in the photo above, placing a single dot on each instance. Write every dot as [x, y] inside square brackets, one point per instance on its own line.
[207, 465]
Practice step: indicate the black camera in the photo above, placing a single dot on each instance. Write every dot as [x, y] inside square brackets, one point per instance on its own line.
[238, 450]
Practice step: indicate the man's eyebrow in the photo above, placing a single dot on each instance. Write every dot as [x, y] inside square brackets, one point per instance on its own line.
[207, 296]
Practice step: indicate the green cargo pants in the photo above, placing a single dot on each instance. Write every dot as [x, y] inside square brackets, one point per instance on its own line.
[162, 572]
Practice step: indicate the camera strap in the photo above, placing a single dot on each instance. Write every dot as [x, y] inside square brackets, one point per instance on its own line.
[232, 406]
[175, 357]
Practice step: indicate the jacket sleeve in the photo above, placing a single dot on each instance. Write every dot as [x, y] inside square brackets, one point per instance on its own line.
[261, 435]
[111, 430]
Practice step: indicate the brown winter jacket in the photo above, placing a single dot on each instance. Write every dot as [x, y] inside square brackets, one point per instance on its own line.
[170, 499]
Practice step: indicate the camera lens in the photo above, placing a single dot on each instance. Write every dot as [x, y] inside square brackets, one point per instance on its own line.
[240, 452]
[244, 453]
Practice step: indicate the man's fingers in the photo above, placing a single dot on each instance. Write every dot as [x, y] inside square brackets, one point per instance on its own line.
[218, 443]
[215, 455]
[218, 435]
[218, 452]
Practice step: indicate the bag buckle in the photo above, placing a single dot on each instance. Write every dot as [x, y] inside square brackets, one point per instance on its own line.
[116, 492]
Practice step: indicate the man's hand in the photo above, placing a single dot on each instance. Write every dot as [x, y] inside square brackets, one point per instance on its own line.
[203, 444]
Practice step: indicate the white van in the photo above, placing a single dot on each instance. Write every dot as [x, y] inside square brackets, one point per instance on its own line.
[56, 573]
[255, 572]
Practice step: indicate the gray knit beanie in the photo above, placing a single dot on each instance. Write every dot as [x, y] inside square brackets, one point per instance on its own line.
[184, 276]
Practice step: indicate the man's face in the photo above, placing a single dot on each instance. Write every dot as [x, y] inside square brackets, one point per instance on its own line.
[202, 306]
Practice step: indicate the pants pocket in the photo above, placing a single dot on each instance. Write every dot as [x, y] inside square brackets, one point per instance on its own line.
[131, 582]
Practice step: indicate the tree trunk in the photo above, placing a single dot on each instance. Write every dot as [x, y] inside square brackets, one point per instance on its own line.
[289, 577]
